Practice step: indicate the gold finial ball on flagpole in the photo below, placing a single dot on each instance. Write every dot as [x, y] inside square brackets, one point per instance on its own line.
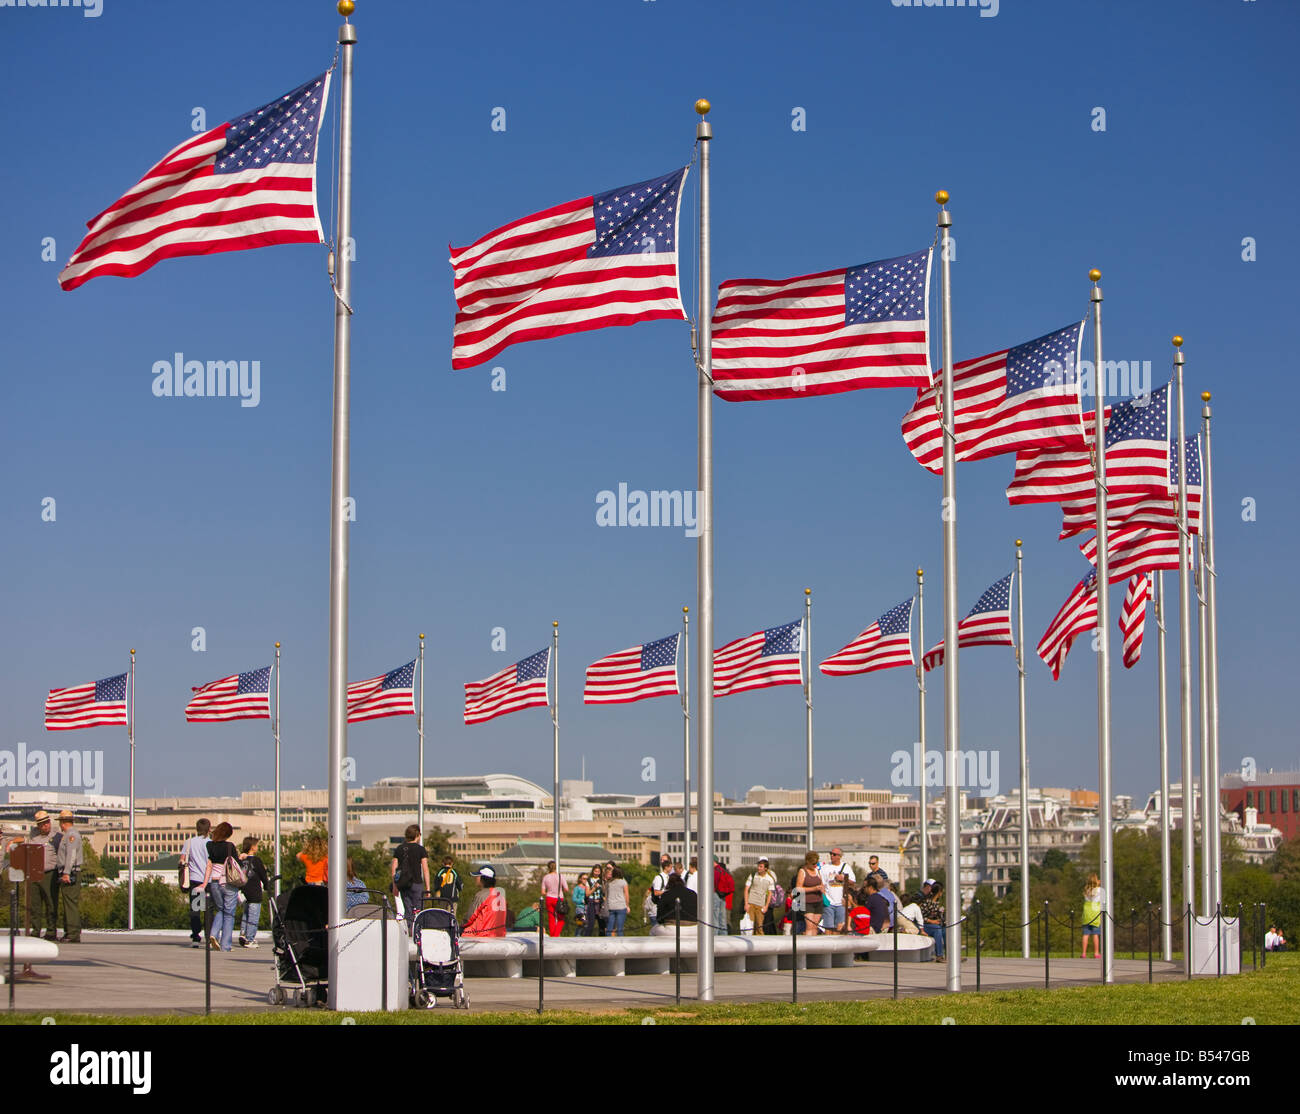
[1177, 342]
[702, 106]
[1018, 543]
[686, 610]
[133, 651]
[555, 622]
[807, 591]
[277, 645]
[1094, 275]
[920, 572]
[421, 638]
[346, 8]
[941, 198]
[1205, 396]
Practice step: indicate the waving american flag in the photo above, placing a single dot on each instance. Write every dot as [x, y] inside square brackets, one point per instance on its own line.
[389, 694]
[760, 660]
[1077, 615]
[522, 685]
[988, 623]
[243, 184]
[94, 704]
[646, 670]
[239, 696]
[608, 259]
[1133, 617]
[883, 645]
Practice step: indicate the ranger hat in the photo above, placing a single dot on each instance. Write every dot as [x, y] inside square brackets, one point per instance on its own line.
[41, 816]
[66, 814]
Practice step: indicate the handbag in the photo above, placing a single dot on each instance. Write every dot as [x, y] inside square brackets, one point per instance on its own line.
[235, 875]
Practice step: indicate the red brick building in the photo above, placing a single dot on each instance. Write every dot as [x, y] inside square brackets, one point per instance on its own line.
[1275, 796]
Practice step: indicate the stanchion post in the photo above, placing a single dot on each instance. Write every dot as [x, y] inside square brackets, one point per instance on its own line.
[1047, 941]
[1132, 933]
[1150, 945]
[1188, 925]
[383, 952]
[1218, 936]
[1241, 943]
[207, 952]
[979, 939]
[677, 903]
[1071, 941]
[541, 962]
[13, 932]
[1263, 920]
[794, 961]
[894, 930]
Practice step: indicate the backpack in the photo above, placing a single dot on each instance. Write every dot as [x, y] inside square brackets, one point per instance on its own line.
[408, 866]
[447, 876]
[723, 884]
[778, 896]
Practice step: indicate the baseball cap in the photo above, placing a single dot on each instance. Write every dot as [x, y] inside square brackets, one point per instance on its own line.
[928, 882]
[485, 871]
[764, 859]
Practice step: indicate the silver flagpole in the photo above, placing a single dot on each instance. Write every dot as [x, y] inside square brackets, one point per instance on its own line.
[704, 571]
[808, 710]
[686, 734]
[555, 743]
[1024, 754]
[920, 727]
[1166, 850]
[949, 515]
[419, 727]
[275, 731]
[340, 487]
[1107, 866]
[1202, 706]
[1211, 577]
[130, 839]
[1184, 668]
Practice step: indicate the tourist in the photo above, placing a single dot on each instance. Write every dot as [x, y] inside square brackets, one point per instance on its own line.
[932, 912]
[446, 886]
[595, 925]
[409, 871]
[194, 860]
[692, 876]
[355, 891]
[616, 900]
[877, 906]
[724, 889]
[808, 881]
[910, 911]
[835, 874]
[580, 904]
[223, 895]
[314, 857]
[487, 913]
[677, 897]
[1094, 903]
[553, 891]
[258, 880]
[660, 882]
[759, 891]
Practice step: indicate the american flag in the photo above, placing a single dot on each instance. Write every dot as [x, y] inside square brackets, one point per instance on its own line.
[1077, 614]
[988, 623]
[1137, 457]
[1135, 549]
[243, 184]
[1025, 397]
[883, 645]
[1133, 617]
[239, 696]
[389, 694]
[1142, 508]
[646, 670]
[522, 685]
[605, 260]
[97, 704]
[760, 660]
[821, 334]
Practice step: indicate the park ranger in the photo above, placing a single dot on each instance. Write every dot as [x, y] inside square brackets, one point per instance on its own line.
[68, 862]
[45, 908]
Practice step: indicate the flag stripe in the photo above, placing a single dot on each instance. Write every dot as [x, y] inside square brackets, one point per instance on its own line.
[1077, 614]
[1133, 617]
[621, 679]
[90, 705]
[504, 692]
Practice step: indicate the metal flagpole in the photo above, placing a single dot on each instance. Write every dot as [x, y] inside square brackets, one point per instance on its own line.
[1207, 532]
[808, 710]
[1166, 850]
[1185, 663]
[340, 487]
[275, 731]
[949, 515]
[1107, 864]
[686, 734]
[555, 743]
[1024, 754]
[130, 839]
[704, 570]
[920, 727]
[1202, 706]
[419, 727]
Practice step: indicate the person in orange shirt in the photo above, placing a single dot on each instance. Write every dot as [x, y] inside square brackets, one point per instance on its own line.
[487, 916]
[315, 858]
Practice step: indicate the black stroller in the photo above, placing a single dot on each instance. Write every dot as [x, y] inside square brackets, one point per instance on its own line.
[437, 970]
[300, 942]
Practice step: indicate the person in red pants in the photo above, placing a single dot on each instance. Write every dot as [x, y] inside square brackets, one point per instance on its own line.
[553, 891]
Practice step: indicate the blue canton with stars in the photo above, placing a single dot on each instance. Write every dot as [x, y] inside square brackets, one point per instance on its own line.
[1049, 359]
[782, 640]
[663, 651]
[637, 219]
[531, 668]
[283, 131]
[111, 688]
[400, 678]
[1144, 417]
[897, 620]
[889, 290]
[1193, 462]
[997, 598]
[256, 680]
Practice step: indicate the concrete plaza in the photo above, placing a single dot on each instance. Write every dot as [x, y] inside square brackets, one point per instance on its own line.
[150, 973]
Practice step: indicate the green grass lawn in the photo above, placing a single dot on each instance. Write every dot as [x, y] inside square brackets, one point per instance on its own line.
[1270, 997]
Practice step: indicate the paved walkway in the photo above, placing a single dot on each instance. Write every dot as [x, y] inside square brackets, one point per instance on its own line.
[114, 973]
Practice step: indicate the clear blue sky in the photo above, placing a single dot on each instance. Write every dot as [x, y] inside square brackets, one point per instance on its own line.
[476, 509]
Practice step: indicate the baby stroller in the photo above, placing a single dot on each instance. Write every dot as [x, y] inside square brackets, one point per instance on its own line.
[300, 944]
[437, 970]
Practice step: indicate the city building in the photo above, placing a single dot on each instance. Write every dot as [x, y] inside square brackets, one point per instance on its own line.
[1275, 797]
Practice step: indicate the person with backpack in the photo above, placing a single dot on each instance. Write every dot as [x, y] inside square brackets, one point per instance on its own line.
[446, 884]
[254, 890]
[724, 886]
[759, 895]
[410, 872]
